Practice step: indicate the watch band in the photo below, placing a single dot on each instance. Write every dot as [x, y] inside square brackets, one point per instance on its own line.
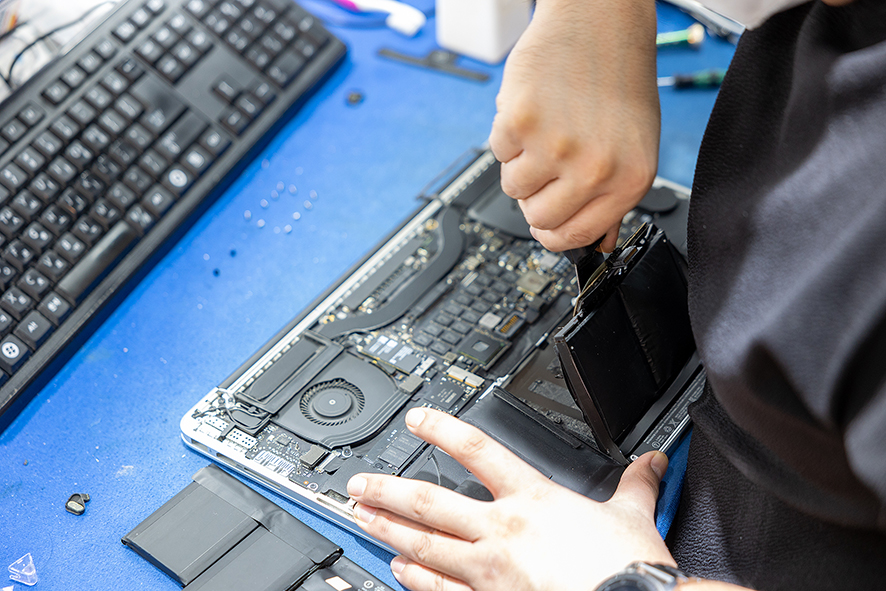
[642, 576]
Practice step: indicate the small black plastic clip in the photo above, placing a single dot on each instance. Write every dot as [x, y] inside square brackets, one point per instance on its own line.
[77, 503]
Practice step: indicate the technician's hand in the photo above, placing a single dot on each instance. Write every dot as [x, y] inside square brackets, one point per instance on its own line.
[535, 535]
[578, 119]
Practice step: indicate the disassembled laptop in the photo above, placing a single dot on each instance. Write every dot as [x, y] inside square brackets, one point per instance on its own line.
[457, 310]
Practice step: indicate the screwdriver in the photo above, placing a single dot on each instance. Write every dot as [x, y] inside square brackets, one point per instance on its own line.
[703, 79]
[693, 36]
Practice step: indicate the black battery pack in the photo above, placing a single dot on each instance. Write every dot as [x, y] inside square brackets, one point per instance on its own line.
[218, 534]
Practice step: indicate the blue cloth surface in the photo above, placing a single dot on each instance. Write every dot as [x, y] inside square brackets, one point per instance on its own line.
[107, 424]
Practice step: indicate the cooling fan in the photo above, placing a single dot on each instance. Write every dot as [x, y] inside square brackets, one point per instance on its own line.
[347, 403]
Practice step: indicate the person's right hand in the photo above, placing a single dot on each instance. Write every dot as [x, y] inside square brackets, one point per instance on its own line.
[578, 120]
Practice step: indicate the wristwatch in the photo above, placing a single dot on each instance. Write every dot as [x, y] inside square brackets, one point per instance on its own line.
[640, 576]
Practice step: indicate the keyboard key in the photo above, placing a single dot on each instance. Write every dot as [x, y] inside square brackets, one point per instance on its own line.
[31, 114]
[258, 57]
[54, 308]
[115, 82]
[264, 93]
[181, 135]
[87, 230]
[165, 38]
[52, 265]
[96, 138]
[178, 180]
[198, 8]
[104, 213]
[121, 197]
[65, 128]
[8, 273]
[90, 62]
[56, 219]
[214, 142]
[286, 67]
[48, 144]
[131, 69]
[179, 24]
[226, 89]
[138, 180]
[72, 202]
[99, 98]
[30, 160]
[82, 113]
[37, 237]
[155, 6]
[105, 49]
[139, 219]
[197, 160]
[34, 284]
[249, 105]
[34, 329]
[157, 201]
[13, 130]
[126, 31]
[199, 40]
[90, 186]
[139, 137]
[113, 122]
[44, 187]
[235, 121]
[92, 267]
[162, 106]
[18, 254]
[151, 51]
[13, 177]
[153, 163]
[122, 153]
[106, 168]
[56, 92]
[170, 67]
[26, 205]
[70, 248]
[129, 107]
[10, 222]
[79, 155]
[186, 54]
[141, 17]
[13, 353]
[74, 77]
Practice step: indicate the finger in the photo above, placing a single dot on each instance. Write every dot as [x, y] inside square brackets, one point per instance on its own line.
[556, 203]
[419, 501]
[611, 238]
[525, 175]
[421, 578]
[639, 483]
[590, 223]
[434, 549]
[494, 465]
[504, 141]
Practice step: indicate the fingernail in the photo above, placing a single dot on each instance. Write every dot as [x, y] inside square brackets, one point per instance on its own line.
[364, 513]
[659, 464]
[414, 417]
[356, 486]
[397, 565]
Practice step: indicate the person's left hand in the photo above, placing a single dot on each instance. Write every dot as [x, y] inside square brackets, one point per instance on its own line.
[534, 535]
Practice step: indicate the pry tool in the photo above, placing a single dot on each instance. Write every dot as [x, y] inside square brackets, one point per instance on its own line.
[438, 59]
[586, 260]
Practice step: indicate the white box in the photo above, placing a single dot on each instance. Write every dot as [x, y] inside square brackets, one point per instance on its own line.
[482, 29]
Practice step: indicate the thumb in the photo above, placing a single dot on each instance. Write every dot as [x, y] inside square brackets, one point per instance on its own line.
[610, 239]
[639, 483]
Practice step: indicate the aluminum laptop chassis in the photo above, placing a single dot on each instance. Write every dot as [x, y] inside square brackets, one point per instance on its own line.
[455, 309]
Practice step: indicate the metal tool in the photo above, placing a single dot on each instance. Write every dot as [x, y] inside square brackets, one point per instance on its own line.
[704, 79]
[439, 60]
[692, 36]
[586, 260]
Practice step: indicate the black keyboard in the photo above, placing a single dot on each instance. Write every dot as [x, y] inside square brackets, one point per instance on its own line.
[109, 151]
